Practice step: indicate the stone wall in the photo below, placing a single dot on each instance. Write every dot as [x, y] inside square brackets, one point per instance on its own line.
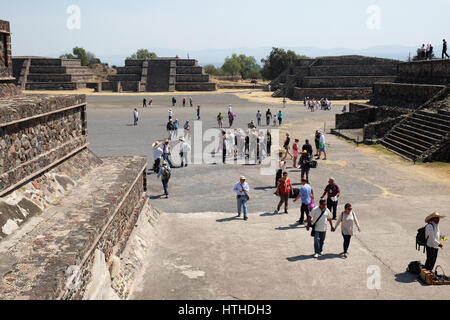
[378, 129]
[430, 72]
[38, 132]
[402, 94]
[343, 81]
[332, 93]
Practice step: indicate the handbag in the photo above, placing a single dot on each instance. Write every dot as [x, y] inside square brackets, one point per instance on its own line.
[247, 197]
[313, 228]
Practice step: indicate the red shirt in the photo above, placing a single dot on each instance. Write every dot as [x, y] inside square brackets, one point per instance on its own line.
[284, 186]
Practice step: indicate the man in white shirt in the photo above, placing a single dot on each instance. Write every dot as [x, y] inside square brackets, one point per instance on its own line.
[157, 155]
[185, 150]
[318, 218]
[433, 236]
[241, 189]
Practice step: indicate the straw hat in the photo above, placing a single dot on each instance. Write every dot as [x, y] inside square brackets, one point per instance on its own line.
[243, 178]
[155, 144]
[181, 139]
[432, 216]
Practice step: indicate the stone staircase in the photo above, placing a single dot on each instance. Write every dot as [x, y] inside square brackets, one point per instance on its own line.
[418, 134]
[50, 74]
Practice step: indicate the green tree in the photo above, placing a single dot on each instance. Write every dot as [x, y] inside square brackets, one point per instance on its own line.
[143, 54]
[212, 70]
[81, 54]
[232, 66]
[278, 61]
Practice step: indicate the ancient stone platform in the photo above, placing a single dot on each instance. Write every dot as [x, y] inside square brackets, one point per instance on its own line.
[342, 77]
[7, 87]
[39, 73]
[160, 75]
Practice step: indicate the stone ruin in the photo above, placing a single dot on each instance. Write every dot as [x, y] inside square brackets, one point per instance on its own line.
[409, 116]
[38, 73]
[66, 215]
[159, 75]
[341, 77]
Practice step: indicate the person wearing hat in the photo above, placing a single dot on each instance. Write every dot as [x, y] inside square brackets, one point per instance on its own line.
[167, 152]
[433, 236]
[185, 148]
[165, 173]
[241, 189]
[157, 155]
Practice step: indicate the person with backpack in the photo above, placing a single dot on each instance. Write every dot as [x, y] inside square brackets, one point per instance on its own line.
[305, 165]
[347, 219]
[241, 189]
[283, 189]
[174, 102]
[318, 222]
[165, 174]
[307, 195]
[433, 239]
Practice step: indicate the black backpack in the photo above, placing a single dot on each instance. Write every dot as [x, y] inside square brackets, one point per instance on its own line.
[415, 267]
[421, 239]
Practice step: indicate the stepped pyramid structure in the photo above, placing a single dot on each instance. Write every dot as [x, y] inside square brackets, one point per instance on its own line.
[38, 73]
[64, 212]
[160, 75]
[342, 77]
[410, 117]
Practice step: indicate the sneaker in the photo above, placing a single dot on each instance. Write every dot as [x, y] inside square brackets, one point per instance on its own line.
[321, 254]
[238, 216]
[245, 218]
[286, 212]
[316, 256]
[275, 212]
[345, 255]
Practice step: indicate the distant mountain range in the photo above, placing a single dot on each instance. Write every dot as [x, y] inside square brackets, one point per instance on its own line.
[217, 56]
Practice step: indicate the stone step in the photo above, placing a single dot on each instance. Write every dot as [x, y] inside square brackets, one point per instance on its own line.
[410, 131]
[124, 77]
[432, 123]
[195, 86]
[426, 127]
[408, 141]
[189, 70]
[192, 78]
[54, 86]
[433, 119]
[418, 141]
[401, 152]
[406, 147]
[36, 78]
[442, 115]
[344, 81]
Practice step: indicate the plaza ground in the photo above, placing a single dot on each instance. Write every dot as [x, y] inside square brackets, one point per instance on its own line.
[202, 251]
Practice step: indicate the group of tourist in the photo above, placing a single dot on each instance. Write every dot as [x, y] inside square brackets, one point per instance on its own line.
[314, 104]
[426, 52]
[184, 101]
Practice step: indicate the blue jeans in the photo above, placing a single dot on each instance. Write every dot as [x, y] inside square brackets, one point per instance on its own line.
[242, 203]
[165, 186]
[346, 242]
[167, 158]
[319, 239]
[135, 121]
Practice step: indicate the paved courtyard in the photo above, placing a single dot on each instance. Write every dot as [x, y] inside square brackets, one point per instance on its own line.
[203, 252]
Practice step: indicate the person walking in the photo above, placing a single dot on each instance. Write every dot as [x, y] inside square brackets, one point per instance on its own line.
[307, 146]
[318, 221]
[144, 103]
[150, 103]
[333, 193]
[283, 189]
[165, 174]
[185, 149]
[274, 120]
[170, 114]
[167, 151]
[281, 168]
[280, 118]
[444, 49]
[268, 117]
[347, 219]
[170, 129]
[176, 124]
[135, 117]
[223, 146]
[284, 102]
[157, 155]
[307, 196]
[191, 102]
[258, 118]
[269, 143]
[317, 142]
[184, 102]
[286, 147]
[198, 112]
[322, 147]
[295, 153]
[305, 164]
[220, 120]
[174, 102]
[241, 189]
[187, 130]
[433, 236]
[230, 118]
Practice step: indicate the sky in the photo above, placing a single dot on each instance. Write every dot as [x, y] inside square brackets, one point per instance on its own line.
[110, 27]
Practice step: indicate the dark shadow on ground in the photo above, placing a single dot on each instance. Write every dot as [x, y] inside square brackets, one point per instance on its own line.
[269, 214]
[161, 196]
[228, 219]
[407, 277]
[290, 227]
[330, 256]
[300, 258]
[264, 188]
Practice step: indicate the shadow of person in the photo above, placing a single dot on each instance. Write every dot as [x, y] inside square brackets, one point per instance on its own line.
[330, 256]
[300, 258]
[157, 197]
[290, 227]
[407, 277]
[264, 188]
[269, 214]
[227, 219]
